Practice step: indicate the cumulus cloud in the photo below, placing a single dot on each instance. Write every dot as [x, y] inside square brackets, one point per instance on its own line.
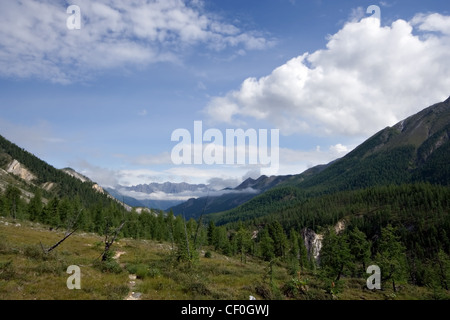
[432, 22]
[368, 77]
[35, 40]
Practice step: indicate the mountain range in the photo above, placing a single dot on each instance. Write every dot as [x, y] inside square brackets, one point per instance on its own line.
[416, 149]
[388, 199]
[160, 196]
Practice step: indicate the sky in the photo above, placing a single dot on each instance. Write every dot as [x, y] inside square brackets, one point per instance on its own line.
[105, 97]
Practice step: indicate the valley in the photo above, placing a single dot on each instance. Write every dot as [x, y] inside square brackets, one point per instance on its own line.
[309, 236]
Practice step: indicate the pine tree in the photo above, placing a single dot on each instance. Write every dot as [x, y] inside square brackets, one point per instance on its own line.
[35, 206]
[50, 213]
[266, 245]
[170, 222]
[303, 253]
[294, 244]
[335, 254]
[359, 248]
[243, 242]
[279, 238]
[443, 266]
[211, 230]
[220, 240]
[391, 257]
[12, 195]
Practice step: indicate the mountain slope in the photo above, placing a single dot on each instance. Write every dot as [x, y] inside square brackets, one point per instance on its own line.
[231, 198]
[29, 174]
[415, 150]
[159, 196]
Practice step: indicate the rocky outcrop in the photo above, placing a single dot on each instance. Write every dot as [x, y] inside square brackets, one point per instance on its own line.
[19, 170]
[313, 243]
[76, 175]
[48, 186]
[340, 226]
[97, 188]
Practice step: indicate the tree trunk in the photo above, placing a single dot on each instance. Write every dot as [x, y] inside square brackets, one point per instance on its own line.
[107, 247]
[339, 274]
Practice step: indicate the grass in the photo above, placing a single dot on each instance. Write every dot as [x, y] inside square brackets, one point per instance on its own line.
[26, 273]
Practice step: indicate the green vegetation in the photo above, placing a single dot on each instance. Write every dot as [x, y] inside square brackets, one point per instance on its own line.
[26, 273]
[387, 203]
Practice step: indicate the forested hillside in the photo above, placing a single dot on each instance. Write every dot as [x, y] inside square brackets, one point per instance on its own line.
[385, 204]
[416, 149]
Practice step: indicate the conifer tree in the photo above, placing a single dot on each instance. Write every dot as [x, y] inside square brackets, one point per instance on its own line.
[12, 195]
[359, 248]
[391, 257]
[279, 238]
[35, 206]
[335, 254]
[266, 245]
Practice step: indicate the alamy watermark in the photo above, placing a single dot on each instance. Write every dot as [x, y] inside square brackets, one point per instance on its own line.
[375, 11]
[250, 147]
[374, 281]
[74, 20]
[74, 281]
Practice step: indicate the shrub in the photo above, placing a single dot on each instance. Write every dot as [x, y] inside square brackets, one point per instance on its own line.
[142, 271]
[7, 271]
[109, 266]
[34, 252]
[199, 288]
[154, 272]
[263, 289]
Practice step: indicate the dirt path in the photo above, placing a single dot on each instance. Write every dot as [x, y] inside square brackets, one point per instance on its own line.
[132, 284]
[132, 295]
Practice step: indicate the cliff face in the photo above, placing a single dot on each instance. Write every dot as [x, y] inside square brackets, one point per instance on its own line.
[19, 170]
[313, 243]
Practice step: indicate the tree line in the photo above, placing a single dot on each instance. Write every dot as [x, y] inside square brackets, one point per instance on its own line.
[404, 230]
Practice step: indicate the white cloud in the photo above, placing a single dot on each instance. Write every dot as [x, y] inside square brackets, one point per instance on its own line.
[367, 78]
[339, 149]
[386, 4]
[357, 14]
[297, 161]
[432, 22]
[35, 41]
[217, 177]
[182, 196]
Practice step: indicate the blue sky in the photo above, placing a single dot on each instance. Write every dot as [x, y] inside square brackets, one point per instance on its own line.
[105, 99]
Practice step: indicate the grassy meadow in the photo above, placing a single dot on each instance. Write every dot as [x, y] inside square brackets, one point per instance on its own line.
[149, 270]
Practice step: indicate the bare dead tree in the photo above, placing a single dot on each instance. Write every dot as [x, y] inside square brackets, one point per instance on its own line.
[110, 237]
[109, 240]
[71, 228]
